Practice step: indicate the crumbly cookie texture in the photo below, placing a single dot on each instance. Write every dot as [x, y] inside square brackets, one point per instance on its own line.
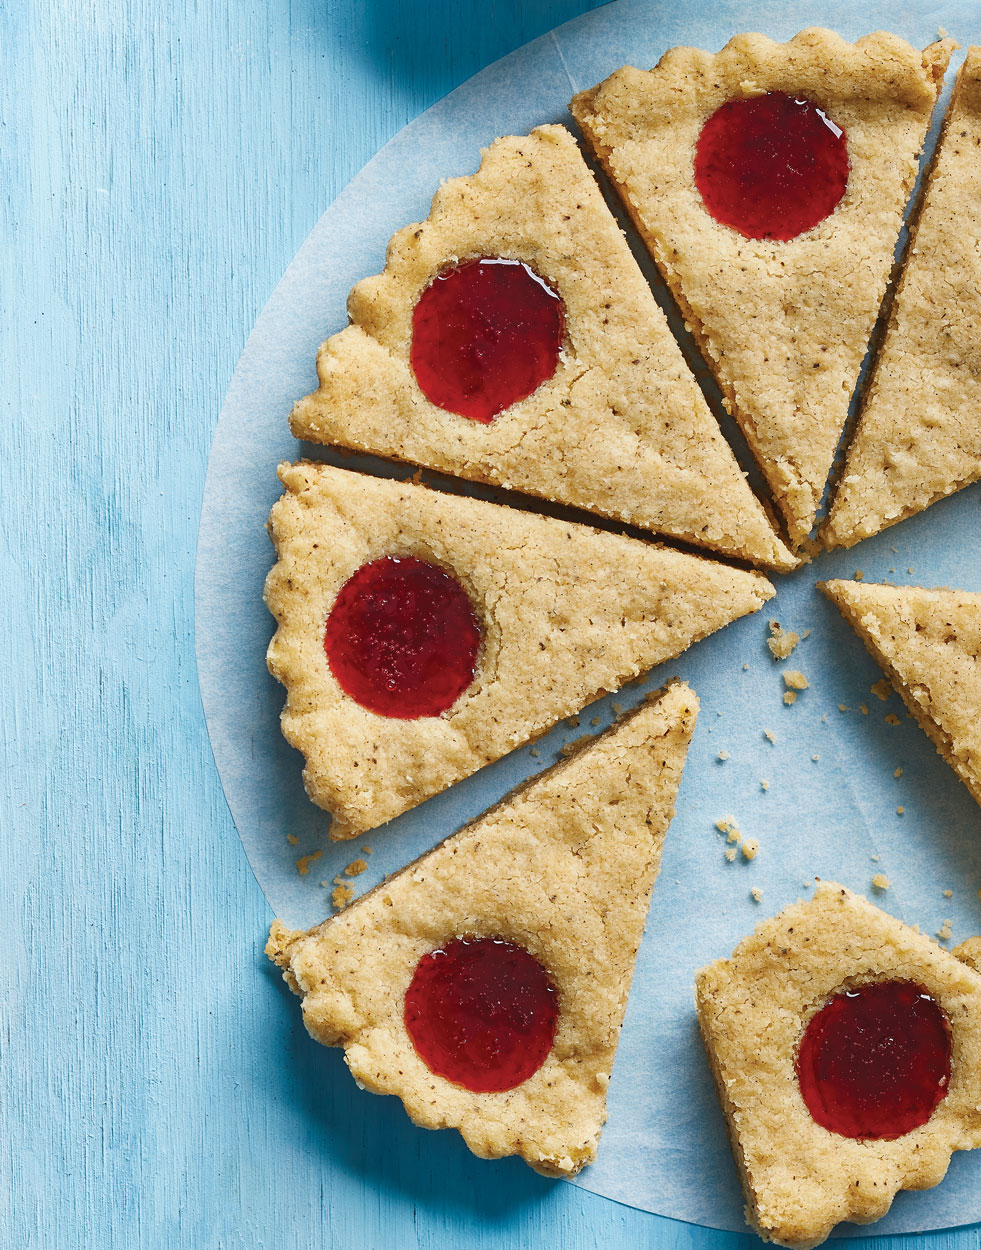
[564, 867]
[567, 613]
[799, 1178]
[929, 644]
[783, 325]
[918, 437]
[622, 428]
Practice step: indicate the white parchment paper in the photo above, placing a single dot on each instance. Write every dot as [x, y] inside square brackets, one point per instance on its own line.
[830, 809]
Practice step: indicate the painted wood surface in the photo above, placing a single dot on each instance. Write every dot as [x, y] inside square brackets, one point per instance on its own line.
[161, 164]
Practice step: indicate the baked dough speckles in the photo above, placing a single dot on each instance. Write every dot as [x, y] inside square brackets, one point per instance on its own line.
[783, 325]
[563, 867]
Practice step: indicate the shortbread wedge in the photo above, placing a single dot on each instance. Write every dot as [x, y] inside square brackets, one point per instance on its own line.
[784, 323]
[929, 644]
[563, 868]
[919, 438]
[757, 1013]
[620, 428]
[565, 613]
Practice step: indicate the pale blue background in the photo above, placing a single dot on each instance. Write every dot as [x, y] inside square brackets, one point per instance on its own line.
[161, 165]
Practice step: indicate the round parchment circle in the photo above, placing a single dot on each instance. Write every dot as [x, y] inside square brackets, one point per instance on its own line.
[830, 806]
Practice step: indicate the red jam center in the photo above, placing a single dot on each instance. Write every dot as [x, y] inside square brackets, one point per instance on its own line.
[485, 335]
[481, 1012]
[402, 638]
[771, 166]
[875, 1061]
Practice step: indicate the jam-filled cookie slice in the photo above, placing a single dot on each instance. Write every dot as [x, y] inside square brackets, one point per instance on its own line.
[423, 635]
[513, 339]
[929, 644]
[485, 984]
[769, 183]
[919, 437]
[846, 1050]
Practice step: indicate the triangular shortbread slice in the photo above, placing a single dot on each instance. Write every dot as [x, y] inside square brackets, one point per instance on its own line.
[567, 613]
[929, 643]
[919, 437]
[801, 1178]
[564, 868]
[784, 325]
[620, 429]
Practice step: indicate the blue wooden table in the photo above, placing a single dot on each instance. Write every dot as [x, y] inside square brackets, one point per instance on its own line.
[161, 164]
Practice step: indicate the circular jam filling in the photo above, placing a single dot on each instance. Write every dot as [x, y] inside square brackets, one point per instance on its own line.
[485, 335]
[402, 638]
[771, 166]
[874, 1062]
[481, 1012]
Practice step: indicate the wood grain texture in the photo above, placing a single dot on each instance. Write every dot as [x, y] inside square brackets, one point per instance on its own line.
[161, 164]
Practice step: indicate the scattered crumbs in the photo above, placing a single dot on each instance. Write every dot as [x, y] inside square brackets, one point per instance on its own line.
[764, 784]
[945, 931]
[781, 641]
[292, 839]
[891, 718]
[339, 881]
[898, 773]
[900, 810]
[617, 708]
[731, 852]
[734, 835]
[770, 736]
[859, 575]
[535, 752]
[793, 679]
[790, 697]
[341, 896]
[880, 881]
[815, 758]
[751, 848]
[756, 893]
[863, 708]
[576, 744]
[842, 707]
[304, 862]
[724, 826]
[723, 755]
[597, 720]
[882, 689]
[948, 893]
[356, 867]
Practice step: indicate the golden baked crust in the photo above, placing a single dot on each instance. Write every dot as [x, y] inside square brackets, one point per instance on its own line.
[564, 867]
[783, 325]
[799, 1178]
[622, 429]
[929, 644]
[919, 437]
[567, 613]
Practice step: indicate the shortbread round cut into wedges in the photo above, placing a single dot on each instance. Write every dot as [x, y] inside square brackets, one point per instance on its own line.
[929, 644]
[564, 613]
[619, 427]
[784, 322]
[830, 1000]
[561, 870]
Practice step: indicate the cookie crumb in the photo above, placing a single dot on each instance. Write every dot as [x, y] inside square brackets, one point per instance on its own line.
[815, 758]
[863, 708]
[341, 896]
[535, 752]
[751, 848]
[794, 679]
[731, 853]
[366, 850]
[723, 756]
[859, 575]
[891, 718]
[617, 708]
[948, 893]
[734, 835]
[745, 668]
[724, 826]
[782, 641]
[945, 932]
[764, 784]
[292, 839]
[900, 811]
[790, 697]
[910, 569]
[756, 893]
[880, 881]
[882, 689]
[898, 773]
[576, 744]
[304, 862]
[842, 707]
[770, 736]
[356, 867]
[596, 720]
